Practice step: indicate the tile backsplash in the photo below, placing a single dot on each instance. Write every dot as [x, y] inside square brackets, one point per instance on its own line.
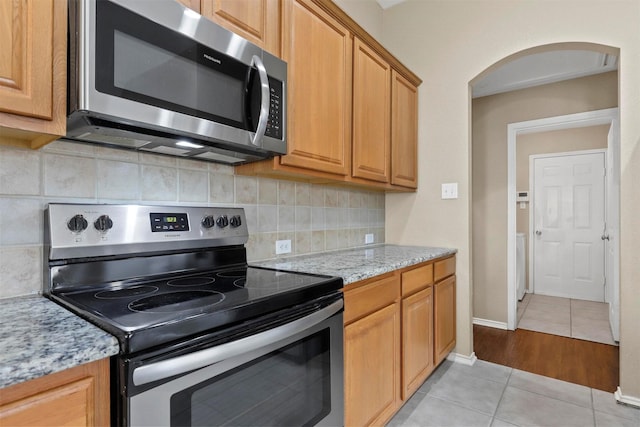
[314, 217]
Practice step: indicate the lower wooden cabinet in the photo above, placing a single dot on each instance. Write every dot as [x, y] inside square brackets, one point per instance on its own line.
[444, 318]
[417, 340]
[75, 397]
[372, 351]
[398, 328]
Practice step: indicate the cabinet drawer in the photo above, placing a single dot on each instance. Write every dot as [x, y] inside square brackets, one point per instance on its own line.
[371, 297]
[444, 268]
[416, 279]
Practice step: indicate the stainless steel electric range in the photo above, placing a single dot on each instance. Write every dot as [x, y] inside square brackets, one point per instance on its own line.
[205, 339]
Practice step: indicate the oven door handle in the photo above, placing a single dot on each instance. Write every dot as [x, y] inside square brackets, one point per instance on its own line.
[200, 359]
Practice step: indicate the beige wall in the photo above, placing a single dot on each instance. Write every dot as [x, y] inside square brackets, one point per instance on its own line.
[490, 117]
[367, 13]
[448, 44]
[560, 141]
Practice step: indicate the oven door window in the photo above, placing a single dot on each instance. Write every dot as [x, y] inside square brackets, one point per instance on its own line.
[144, 62]
[289, 386]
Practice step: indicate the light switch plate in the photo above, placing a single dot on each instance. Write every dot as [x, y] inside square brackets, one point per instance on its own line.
[283, 247]
[450, 190]
[368, 238]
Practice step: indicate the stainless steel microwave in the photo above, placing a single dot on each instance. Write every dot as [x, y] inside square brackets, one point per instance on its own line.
[156, 76]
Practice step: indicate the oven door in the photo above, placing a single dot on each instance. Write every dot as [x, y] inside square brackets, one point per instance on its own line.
[289, 375]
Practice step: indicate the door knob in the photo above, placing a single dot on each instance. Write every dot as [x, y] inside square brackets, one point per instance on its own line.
[538, 233]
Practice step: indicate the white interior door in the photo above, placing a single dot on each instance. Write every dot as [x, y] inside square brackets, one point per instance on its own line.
[612, 232]
[569, 207]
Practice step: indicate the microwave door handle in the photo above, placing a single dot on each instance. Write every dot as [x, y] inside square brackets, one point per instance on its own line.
[264, 103]
[203, 358]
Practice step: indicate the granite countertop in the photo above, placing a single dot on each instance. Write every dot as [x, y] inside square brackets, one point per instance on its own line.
[39, 337]
[360, 263]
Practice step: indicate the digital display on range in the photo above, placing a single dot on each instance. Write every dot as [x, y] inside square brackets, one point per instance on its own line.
[163, 222]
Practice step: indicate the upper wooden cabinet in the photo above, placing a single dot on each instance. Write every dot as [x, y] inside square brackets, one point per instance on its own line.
[33, 51]
[404, 132]
[256, 20]
[318, 52]
[371, 114]
[191, 4]
[340, 104]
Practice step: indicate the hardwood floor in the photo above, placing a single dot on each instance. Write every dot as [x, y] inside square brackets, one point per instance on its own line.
[577, 361]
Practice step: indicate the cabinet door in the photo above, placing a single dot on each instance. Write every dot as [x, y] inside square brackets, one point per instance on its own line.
[26, 56]
[76, 397]
[191, 4]
[33, 46]
[256, 20]
[444, 318]
[417, 340]
[372, 367]
[318, 50]
[371, 114]
[404, 132]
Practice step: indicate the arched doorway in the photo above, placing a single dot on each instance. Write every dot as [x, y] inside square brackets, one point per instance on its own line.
[524, 109]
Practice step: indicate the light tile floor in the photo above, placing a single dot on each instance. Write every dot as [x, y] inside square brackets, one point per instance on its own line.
[573, 318]
[487, 394]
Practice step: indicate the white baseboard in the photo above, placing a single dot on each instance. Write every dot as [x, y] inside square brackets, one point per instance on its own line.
[463, 359]
[627, 400]
[490, 323]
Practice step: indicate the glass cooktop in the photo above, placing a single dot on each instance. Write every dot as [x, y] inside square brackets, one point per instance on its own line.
[147, 312]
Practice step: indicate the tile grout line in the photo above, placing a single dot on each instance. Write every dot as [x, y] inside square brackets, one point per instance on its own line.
[571, 318]
[593, 408]
[460, 405]
[506, 384]
[556, 398]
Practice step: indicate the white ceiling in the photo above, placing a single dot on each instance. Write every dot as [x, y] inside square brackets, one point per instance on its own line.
[543, 68]
[385, 4]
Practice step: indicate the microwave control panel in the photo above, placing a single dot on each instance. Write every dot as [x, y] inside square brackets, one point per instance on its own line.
[274, 124]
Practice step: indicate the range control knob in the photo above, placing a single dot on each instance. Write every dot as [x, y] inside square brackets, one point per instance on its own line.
[222, 221]
[208, 221]
[103, 223]
[77, 224]
[235, 221]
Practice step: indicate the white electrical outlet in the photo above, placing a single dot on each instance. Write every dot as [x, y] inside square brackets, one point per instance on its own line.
[283, 247]
[450, 190]
[368, 238]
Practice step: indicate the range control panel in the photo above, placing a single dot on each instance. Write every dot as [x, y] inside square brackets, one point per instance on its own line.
[166, 222]
[274, 124]
[81, 230]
